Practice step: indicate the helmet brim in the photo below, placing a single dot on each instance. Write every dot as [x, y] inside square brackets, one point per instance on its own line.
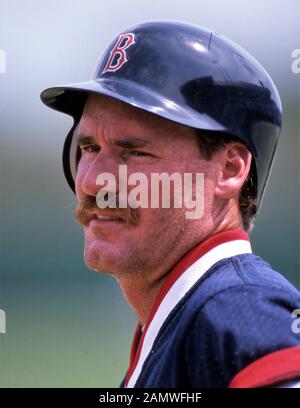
[70, 99]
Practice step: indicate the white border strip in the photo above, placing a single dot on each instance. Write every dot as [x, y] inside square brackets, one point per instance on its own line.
[2, 62]
[179, 289]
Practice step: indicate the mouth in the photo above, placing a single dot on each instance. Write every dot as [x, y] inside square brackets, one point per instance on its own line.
[107, 218]
[104, 221]
[106, 224]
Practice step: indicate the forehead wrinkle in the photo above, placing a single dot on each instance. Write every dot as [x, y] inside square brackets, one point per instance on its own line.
[115, 120]
[123, 131]
[99, 106]
[126, 141]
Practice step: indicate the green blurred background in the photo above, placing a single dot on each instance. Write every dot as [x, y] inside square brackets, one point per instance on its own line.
[66, 325]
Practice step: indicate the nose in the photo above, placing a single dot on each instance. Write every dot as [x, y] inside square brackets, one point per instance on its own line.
[93, 175]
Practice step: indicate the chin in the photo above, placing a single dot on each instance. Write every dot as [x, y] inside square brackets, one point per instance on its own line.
[102, 257]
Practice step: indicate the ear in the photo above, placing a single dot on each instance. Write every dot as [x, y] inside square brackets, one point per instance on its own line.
[234, 166]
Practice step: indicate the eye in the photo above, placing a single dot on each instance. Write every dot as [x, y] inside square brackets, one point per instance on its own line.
[138, 153]
[90, 149]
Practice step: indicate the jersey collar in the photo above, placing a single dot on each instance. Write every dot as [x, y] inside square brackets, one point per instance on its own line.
[182, 277]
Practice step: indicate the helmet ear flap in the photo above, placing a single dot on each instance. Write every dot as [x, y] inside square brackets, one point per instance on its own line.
[71, 156]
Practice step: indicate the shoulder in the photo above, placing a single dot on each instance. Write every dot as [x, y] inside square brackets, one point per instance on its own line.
[240, 312]
[244, 270]
[233, 279]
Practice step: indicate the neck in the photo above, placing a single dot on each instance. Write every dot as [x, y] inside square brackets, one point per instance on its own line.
[141, 297]
[141, 294]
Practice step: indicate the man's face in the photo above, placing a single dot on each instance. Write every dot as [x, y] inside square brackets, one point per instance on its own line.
[146, 241]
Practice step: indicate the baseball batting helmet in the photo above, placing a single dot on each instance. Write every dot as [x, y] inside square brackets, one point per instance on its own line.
[186, 74]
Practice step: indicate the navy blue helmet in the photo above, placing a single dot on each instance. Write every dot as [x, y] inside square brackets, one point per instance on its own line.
[186, 74]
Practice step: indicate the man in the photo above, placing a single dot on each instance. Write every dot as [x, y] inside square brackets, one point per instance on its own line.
[172, 98]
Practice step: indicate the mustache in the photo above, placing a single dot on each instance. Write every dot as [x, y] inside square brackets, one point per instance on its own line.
[87, 208]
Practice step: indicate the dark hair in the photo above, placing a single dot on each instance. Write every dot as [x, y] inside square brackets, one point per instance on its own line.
[210, 142]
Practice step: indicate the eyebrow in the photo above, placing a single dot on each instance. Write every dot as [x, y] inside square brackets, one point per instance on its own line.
[128, 142]
[85, 140]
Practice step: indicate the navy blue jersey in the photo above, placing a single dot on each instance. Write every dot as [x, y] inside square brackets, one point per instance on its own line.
[233, 327]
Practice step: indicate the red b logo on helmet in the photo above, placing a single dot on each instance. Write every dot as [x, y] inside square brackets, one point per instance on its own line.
[118, 55]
